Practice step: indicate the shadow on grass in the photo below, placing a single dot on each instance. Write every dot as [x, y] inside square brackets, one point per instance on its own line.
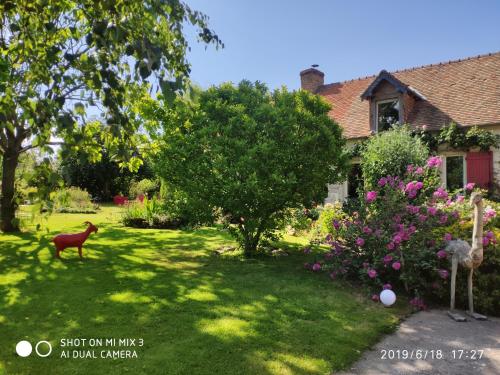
[197, 314]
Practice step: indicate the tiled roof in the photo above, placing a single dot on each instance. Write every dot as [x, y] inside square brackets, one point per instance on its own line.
[464, 91]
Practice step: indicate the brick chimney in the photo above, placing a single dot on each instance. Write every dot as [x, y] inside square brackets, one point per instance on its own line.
[311, 79]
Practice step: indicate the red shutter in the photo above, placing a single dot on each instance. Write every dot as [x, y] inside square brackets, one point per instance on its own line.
[480, 168]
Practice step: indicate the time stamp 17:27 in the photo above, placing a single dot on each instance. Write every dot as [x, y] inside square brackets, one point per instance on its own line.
[426, 354]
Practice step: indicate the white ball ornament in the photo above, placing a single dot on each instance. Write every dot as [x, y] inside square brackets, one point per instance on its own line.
[387, 297]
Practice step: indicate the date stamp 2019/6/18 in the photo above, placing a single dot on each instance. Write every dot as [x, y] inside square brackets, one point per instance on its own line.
[431, 354]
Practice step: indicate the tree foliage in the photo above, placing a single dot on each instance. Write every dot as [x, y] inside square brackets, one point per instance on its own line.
[61, 59]
[250, 154]
[389, 153]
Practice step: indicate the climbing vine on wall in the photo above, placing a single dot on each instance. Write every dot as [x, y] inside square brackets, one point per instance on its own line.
[455, 136]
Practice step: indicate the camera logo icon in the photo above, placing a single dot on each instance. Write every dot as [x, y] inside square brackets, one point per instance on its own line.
[42, 348]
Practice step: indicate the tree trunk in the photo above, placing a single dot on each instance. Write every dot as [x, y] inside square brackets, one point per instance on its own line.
[8, 205]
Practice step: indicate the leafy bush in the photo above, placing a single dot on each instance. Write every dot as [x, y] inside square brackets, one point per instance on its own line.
[300, 220]
[329, 214]
[145, 187]
[151, 213]
[72, 200]
[389, 153]
[250, 154]
[397, 238]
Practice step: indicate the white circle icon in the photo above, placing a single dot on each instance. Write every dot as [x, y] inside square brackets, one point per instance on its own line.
[43, 342]
[23, 348]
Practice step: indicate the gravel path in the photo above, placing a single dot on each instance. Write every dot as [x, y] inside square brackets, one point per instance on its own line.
[431, 331]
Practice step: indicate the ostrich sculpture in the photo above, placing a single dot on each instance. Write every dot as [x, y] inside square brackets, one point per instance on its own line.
[467, 256]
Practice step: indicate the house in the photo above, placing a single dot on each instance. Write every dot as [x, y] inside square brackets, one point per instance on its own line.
[465, 91]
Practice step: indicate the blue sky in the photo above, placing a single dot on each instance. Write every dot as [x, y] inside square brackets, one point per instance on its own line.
[273, 40]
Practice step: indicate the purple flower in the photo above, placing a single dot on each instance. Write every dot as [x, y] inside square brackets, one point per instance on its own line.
[372, 273]
[489, 234]
[447, 237]
[329, 255]
[432, 211]
[470, 186]
[443, 219]
[371, 196]
[387, 286]
[486, 241]
[316, 267]
[307, 250]
[434, 162]
[360, 241]
[336, 224]
[396, 265]
[441, 254]
[440, 193]
[390, 245]
[397, 239]
[443, 274]
[382, 181]
[367, 230]
[388, 258]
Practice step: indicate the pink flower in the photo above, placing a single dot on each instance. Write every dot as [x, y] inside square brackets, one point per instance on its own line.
[388, 258]
[441, 254]
[470, 186]
[360, 241]
[447, 237]
[316, 267]
[490, 234]
[440, 193]
[443, 219]
[419, 170]
[422, 218]
[486, 241]
[409, 168]
[419, 185]
[372, 273]
[397, 239]
[432, 211]
[375, 298]
[387, 286]
[382, 181]
[443, 273]
[367, 230]
[390, 245]
[460, 198]
[434, 162]
[489, 213]
[418, 303]
[371, 196]
[396, 266]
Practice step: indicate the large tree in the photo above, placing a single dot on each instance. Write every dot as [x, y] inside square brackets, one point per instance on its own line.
[249, 154]
[61, 59]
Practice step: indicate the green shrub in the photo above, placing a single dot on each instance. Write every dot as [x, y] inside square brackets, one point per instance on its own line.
[151, 213]
[329, 213]
[301, 220]
[144, 187]
[72, 200]
[389, 153]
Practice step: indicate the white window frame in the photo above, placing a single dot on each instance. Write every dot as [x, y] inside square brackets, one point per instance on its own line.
[445, 168]
[386, 101]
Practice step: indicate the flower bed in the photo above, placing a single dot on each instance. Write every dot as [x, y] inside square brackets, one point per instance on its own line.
[396, 240]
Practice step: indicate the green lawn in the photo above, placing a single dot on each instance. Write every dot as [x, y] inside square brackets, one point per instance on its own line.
[197, 313]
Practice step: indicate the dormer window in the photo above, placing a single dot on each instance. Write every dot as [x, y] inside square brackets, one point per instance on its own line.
[387, 114]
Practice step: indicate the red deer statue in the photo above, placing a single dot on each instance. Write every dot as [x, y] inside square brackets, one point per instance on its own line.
[63, 241]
